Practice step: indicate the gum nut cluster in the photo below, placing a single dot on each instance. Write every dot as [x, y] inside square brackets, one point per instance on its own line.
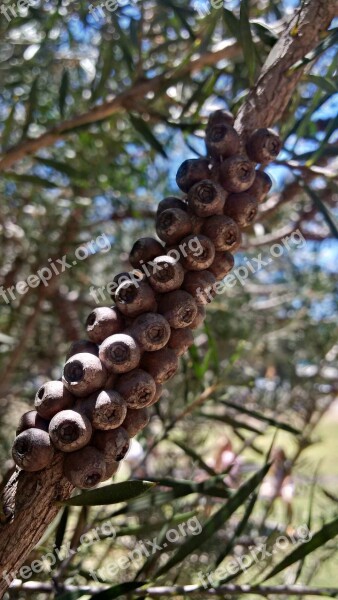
[110, 380]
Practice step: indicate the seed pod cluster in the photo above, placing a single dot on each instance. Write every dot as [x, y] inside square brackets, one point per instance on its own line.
[110, 381]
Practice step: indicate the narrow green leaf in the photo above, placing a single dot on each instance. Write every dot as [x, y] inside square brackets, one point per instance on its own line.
[232, 23]
[323, 209]
[265, 34]
[325, 534]
[111, 494]
[248, 45]
[61, 528]
[217, 520]
[107, 65]
[30, 106]
[234, 423]
[260, 417]
[8, 127]
[195, 457]
[63, 92]
[118, 590]
[324, 45]
[238, 530]
[33, 179]
[148, 135]
[323, 82]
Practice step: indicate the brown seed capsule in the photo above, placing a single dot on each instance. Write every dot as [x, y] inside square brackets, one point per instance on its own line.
[200, 284]
[220, 117]
[222, 140]
[199, 319]
[261, 186]
[223, 263]
[52, 397]
[84, 374]
[85, 468]
[70, 431]
[32, 450]
[162, 364]
[242, 208]
[178, 308]
[158, 394]
[114, 444]
[191, 171]
[82, 346]
[206, 198]
[102, 322]
[181, 340]
[223, 232]
[144, 250]
[135, 421]
[133, 300]
[198, 252]
[106, 410]
[172, 225]
[263, 146]
[111, 469]
[120, 353]
[137, 387]
[196, 222]
[171, 202]
[32, 420]
[236, 173]
[167, 274]
[151, 331]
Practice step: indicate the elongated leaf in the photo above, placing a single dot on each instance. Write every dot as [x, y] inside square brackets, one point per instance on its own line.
[118, 590]
[234, 423]
[326, 533]
[63, 92]
[323, 209]
[148, 135]
[324, 83]
[30, 106]
[324, 45]
[214, 523]
[238, 530]
[8, 127]
[265, 33]
[232, 23]
[260, 417]
[111, 494]
[247, 41]
[195, 457]
[33, 179]
[61, 529]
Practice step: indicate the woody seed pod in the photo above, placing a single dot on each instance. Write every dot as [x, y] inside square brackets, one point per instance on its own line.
[144, 250]
[151, 331]
[31, 420]
[196, 222]
[181, 340]
[223, 263]
[172, 225]
[32, 450]
[222, 140]
[220, 117]
[178, 308]
[85, 468]
[70, 431]
[111, 469]
[206, 198]
[197, 259]
[82, 346]
[106, 409]
[133, 300]
[261, 186]
[102, 322]
[158, 394]
[263, 146]
[191, 171]
[199, 319]
[223, 232]
[135, 421]
[167, 275]
[236, 173]
[200, 284]
[161, 365]
[83, 374]
[137, 387]
[170, 202]
[114, 444]
[120, 353]
[242, 208]
[51, 398]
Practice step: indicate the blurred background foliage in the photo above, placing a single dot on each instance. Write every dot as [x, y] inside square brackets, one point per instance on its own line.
[268, 355]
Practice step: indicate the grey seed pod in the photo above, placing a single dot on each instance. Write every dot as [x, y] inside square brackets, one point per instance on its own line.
[171, 202]
[236, 173]
[223, 263]
[161, 365]
[102, 322]
[32, 420]
[197, 258]
[206, 198]
[263, 146]
[70, 431]
[137, 387]
[144, 250]
[32, 450]
[85, 468]
[242, 208]
[82, 346]
[84, 374]
[178, 308]
[114, 444]
[223, 232]
[260, 187]
[135, 421]
[222, 140]
[167, 274]
[133, 300]
[191, 171]
[200, 284]
[120, 353]
[199, 319]
[220, 117]
[172, 225]
[52, 397]
[152, 331]
[181, 340]
[106, 409]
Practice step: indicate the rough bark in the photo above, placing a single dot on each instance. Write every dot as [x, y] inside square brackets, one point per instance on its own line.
[29, 499]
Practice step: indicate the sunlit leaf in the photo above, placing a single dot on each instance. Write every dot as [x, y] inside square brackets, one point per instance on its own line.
[111, 494]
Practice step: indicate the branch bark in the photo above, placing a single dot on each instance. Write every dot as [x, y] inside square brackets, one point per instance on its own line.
[29, 499]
